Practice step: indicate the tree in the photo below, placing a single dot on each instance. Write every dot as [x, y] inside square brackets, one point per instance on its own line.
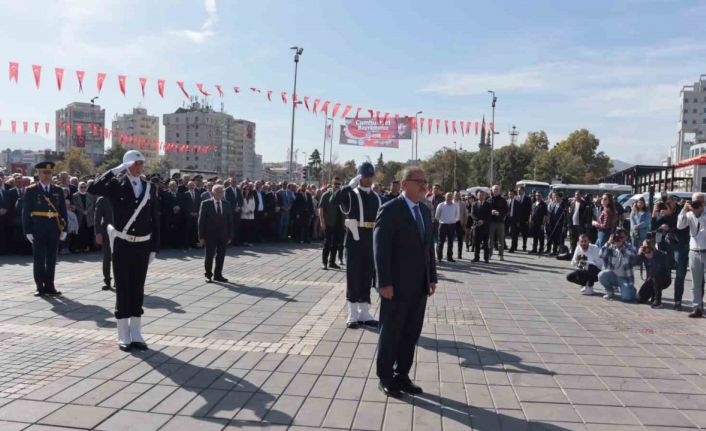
[315, 167]
[510, 161]
[584, 144]
[113, 157]
[440, 169]
[76, 163]
[536, 142]
[380, 165]
[159, 166]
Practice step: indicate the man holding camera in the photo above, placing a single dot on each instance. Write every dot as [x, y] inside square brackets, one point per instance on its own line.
[659, 274]
[618, 260]
[588, 263]
[692, 216]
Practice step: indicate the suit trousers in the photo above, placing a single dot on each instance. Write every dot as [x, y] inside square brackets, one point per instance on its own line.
[497, 237]
[576, 231]
[130, 262]
[105, 249]
[44, 249]
[480, 242]
[333, 236]
[584, 277]
[446, 233]
[236, 240]
[215, 247]
[401, 321]
[518, 228]
[360, 269]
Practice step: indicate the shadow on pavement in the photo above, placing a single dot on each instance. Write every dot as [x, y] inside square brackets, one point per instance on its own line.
[77, 311]
[154, 301]
[257, 292]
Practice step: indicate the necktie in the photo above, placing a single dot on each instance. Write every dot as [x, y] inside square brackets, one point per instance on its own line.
[218, 208]
[420, 223]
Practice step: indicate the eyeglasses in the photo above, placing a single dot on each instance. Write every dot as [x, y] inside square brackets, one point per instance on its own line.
[337, 184]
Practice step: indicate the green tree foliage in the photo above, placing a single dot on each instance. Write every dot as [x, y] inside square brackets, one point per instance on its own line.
[113, 157]
[315, 165]
[75, 163]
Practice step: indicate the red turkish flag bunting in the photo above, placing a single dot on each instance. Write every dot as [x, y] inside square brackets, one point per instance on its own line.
[421, 124]
[316, 105]
[59, 77]
[143, 82]
[14, 70]
[99, 81]
[269, 95]
[429, 121]
[346, 110]
[79, 129]
[236, 89]
[25, 126]
[336, 107]
[13, 125]
[453, 127]
[446, 126]
[324, 107]
[79, 75]
[438, 123]
[36, 126]
[46, 128]
[181, 87]
[476, 128]
[357, 111]
[254, 90]
[468, 127]
[200, 88]
[37, 70]
[284, 97]
[220, 90]
[160, 87]
[121, 83]
[461, 124]
[306, 102]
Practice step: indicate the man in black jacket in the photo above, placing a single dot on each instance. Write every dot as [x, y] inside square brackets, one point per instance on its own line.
[580, 218]
[498, 211]
[519, 211]
[235, 197]
[481, 213]
[134, 240]
[538, 223]
[406, 272]
[215, 231]
[103, 216]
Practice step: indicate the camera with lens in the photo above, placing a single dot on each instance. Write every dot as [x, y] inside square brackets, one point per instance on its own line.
[582, 263]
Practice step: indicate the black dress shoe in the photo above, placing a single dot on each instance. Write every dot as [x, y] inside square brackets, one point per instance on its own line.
[325, 266]
[125, 347]
[407, 386]
[352, 325]
[677, 305]
[221, 279]
[54, 293]
[451, 259]
[139, 346]
[106, 287]
[370, 323]
[389, 391]
[696, 313]
[38, 293]
[475, 260]
[208, 279]
[333, 265]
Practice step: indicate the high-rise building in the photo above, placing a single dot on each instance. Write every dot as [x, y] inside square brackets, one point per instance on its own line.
[691, 136]
[231, 142]
[137, 131]
[81, 127]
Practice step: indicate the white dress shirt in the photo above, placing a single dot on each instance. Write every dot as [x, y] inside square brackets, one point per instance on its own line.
[136, 184]
[260, 207]
[697, 229]
[411, 205]
[593, 255]
[447, 213]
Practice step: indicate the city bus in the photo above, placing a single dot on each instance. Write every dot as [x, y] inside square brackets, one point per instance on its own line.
[534, 186]
[568, 190]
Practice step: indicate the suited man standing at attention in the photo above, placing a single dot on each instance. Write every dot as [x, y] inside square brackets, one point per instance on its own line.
[406, 271]
[215, 231]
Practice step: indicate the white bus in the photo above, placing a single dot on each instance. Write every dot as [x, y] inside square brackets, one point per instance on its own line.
[534, 186]
[568, 190]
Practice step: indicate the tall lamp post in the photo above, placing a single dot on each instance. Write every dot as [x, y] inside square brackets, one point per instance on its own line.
[455, 156]
[492, 140]
[297, 52]
[415, 155]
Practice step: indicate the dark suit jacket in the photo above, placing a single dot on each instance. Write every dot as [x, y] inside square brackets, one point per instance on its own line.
[213, 228]
[403, 260]
[522, 210]
[235, 197]
[103, 216]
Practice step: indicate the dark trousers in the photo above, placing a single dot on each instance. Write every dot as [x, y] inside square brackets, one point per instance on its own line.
[681, 263]
[216, 247]
[236, 240]
[518, 228]
[44, 248]
[435, 230]
[446, 233]
[302, 232]
[360, 266]
[480, 242]
[537, 239]
[190, 232]
[105, 249]
[130, 261]
[555, 236]
[584, 277]
[259, 226]
[333, 237]
[401, 323]
[460, 234]
[652, 289]
[575, 233]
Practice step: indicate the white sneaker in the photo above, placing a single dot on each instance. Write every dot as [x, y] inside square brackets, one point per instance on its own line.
[608, 296]
[583, 290]
[587, 290]
[352, 314]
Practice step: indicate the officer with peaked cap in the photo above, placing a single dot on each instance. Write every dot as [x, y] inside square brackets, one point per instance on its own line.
[43, 220]
[360, 205]
[133, 239]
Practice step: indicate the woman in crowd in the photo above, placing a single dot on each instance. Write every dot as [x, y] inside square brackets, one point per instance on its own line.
[607, 220]
[71, 226]
[247, 217]
[639, 222]
[83, 206]
[301, 215]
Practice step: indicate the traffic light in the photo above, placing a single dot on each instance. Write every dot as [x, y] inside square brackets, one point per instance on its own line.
[305, 173]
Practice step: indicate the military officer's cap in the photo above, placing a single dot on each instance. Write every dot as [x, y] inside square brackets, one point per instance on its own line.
[366, 169]
[198, 177]
[45, 165]
[133, 156]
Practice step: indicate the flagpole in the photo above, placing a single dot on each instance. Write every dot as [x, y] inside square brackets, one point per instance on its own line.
[330, 154]
[323, 154]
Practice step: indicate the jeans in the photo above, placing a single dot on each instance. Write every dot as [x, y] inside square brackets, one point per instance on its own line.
[602, 238]
[681, 261]
[609, 280]
[696, 263]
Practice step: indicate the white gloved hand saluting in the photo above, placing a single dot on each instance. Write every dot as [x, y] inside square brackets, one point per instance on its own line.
[354, 182]
[121, 167]
[153, 254]
[30, 237]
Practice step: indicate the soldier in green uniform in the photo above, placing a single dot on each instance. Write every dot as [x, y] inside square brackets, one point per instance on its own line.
[43, 221]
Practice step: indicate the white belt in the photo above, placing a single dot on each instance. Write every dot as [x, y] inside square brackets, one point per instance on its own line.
[132, 238]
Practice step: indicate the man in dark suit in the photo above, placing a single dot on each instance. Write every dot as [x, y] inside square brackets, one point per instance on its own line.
[482, 215]
[215, 231]
[520, 209]
[191, 200]
[406, 271]
[235, 197]
[103, 216]
[134, 241]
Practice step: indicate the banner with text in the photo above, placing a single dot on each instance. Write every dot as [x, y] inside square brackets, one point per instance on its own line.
[369, 132]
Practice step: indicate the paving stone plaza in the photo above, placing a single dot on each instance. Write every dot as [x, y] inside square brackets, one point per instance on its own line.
[506, 346]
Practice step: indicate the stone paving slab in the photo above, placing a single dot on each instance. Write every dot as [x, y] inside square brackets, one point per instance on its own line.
[505, 346]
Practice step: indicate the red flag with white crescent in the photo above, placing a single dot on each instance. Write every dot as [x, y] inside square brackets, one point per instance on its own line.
[99, 81]
[143, 82]
[46, 128]
[37, 70]
[306, 102]
[14, 70]
[429, 120]
[324, 107]
[438, 123]
[160, 87]
[269, 95]
[468, 127]
[336, 107]
[371, 112]
[25, 126]
[95, 130]
[476, 128]
[461, 124]
[236, 89]
[13, 125]
[357, 111]
[284, 97]
[67, 127]
[377, 117]
[316, 105]
[346, 111]
[59, 77]
[220, 90]
[79, 129]
[36, 126]
[181, 87]
[121, 83]
[385, 117]
[453, 127]
[199, 86]
[79, 75]
[421, 124]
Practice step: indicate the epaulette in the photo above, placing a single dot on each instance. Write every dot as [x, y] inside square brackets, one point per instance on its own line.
[32, 185]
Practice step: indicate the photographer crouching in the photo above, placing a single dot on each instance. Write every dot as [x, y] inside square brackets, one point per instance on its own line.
[618, 260]
[588, 263]
[692, 216]
[659, 274]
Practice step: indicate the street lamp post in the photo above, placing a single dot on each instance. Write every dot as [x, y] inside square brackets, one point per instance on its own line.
[297, 52]
[455, 156]
[492, 140]
[415, 153]
[305, 165]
